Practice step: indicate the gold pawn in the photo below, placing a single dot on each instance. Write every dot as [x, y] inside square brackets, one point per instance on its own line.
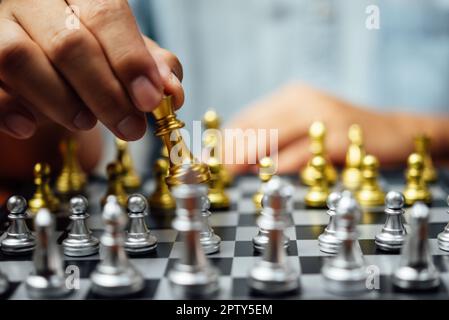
[318, 192]
[416, 188]
[115, 184]
[161, 198]
[43, 196]
[131, 181]
[211, 122]
[422, 147]
[352, 173]
[167, 127]
[218, 198]
[266, 172]
[72, 180]
[370, 193]
[317, 136]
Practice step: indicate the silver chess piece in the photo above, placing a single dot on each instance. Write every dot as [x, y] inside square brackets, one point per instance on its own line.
[345, 273]
[115, 276]
[139, 240]
[19, 239]
[80, 242]
[273, 275]
[47, 280]
[391, 238]
[416, 269]
[260, 240]
[192, 276]
[208, 239]
[328, 240]
[443, 237]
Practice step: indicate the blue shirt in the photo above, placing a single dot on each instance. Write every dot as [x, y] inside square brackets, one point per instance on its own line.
[235, 51]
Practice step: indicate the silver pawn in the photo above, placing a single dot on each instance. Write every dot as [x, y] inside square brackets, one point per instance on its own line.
[328, 240]
[209, 240]
[345, 273]
[391, 238]
[138, 238]
[260, 240]
[47, 280]
[443, 237]
[192, 276]
[416, 269]
[115, 276]
[80, 242]
[19, 239]
[273, 275]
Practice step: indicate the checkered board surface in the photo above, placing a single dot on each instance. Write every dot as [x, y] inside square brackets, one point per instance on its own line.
[236, 227]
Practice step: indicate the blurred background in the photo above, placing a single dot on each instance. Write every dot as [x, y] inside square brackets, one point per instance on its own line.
[237, 51]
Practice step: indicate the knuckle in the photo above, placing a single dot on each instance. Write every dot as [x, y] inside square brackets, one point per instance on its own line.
[65, 43]
[101, 10]
[13, 55]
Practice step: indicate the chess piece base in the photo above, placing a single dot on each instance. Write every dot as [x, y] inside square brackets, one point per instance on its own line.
[117, 285]
[316, 199]
[389, 242]
[210, 244]
[273, 279]
[189, 282]
[260, 241]
[39, 287]
[81, 247]
[411, 279]
[443, 240]
[328, 243]
[140, 245]
[17, 246]
[412, 196]
[371, 198]
[219, 201]
[343, 281]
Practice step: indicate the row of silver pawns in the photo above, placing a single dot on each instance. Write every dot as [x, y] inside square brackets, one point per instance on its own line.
[193, 275]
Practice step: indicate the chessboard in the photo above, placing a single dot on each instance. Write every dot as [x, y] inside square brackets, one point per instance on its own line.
[236, 227]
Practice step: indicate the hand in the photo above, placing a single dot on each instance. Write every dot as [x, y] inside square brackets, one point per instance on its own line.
[292, 109]
[104, 70]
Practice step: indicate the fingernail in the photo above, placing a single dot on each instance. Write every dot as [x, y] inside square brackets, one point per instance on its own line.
[145, 94]
[132, 127]
[20, 125]
[85, 120]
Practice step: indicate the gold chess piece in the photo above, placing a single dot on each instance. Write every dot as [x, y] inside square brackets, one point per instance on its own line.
[211, 122]
[161, 197]
[352, 173]
[416, 188]
[422, 147]
[72, 180]
[317, 136]
[182, 162]
[217, 195]
[115, 184]
[318, 192]
[131, 180]
[43, 196]
[266, 172]
[370, 193]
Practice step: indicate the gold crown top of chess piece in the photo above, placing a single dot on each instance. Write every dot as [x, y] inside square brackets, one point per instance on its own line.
[72, 179]
[317, 134]
[211, 120]
[167, 126]
[370, 166]
[415, 162]
[355, 134]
